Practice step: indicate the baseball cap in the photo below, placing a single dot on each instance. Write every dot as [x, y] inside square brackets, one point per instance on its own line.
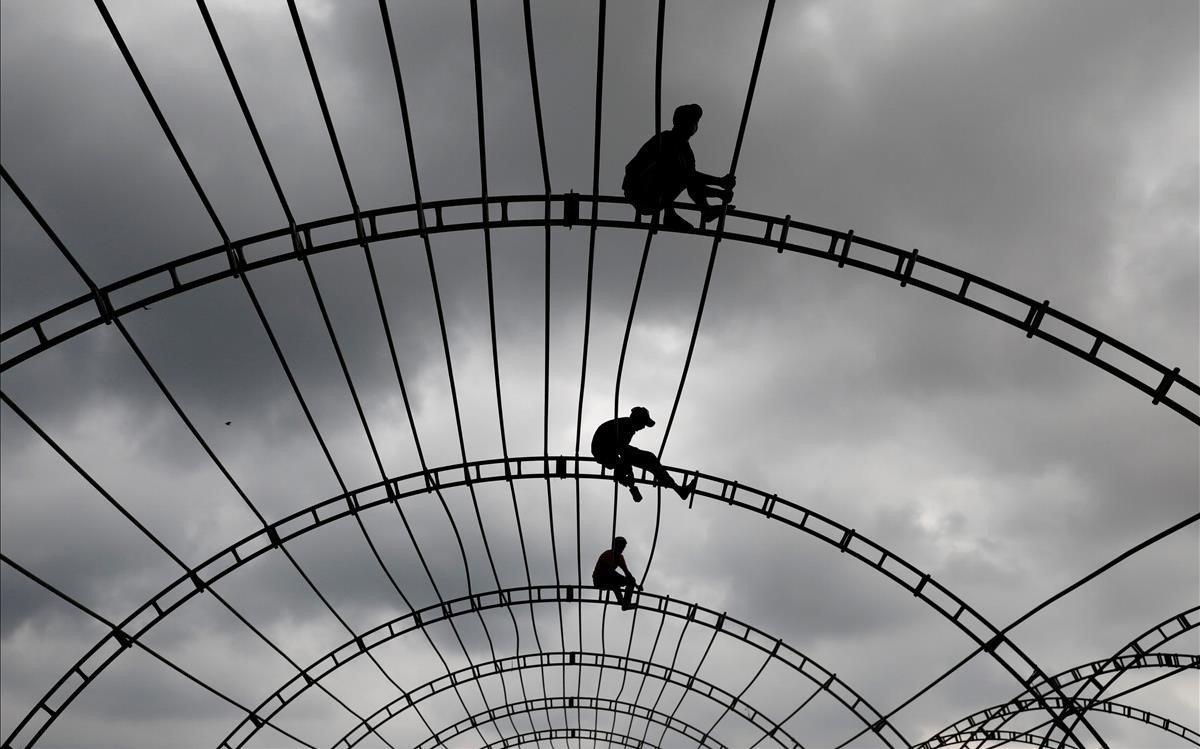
[641, 415]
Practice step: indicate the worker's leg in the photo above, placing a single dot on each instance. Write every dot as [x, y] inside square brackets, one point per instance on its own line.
[619, 584]
[627, 593]
[657, 189]
[624, 475]
[700, 192]
[646, 460]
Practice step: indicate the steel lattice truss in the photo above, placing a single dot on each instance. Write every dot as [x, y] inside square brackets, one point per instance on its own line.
[1061, 702]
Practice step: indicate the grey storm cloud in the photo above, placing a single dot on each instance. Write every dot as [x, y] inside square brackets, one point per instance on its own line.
[1051, 148]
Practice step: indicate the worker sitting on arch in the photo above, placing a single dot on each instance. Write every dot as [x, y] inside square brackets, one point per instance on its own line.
[611, 448]
[665, 166]
[607, 575]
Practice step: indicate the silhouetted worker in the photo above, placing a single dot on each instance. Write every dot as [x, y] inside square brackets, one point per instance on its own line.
[610, 446]
[607, 576]
[666, 166]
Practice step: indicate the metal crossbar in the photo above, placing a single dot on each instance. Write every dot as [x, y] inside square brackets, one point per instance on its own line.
[547, 704]
[1138, 653]
[128, 295]
[361, 228]
[544, 660]
[411, 487]
[129, 642]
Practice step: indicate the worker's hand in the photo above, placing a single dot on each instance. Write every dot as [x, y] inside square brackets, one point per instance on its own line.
[728, 181]
[639, 586]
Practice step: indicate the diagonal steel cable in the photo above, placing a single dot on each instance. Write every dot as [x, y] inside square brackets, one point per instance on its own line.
[235, 259]
[1088, 674]
[349, 187]
[740, 694]
[154, 653]
[410, 151]
[90, 283]
[1056, 717]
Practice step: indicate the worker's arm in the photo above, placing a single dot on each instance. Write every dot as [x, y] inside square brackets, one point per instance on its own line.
[629, 574]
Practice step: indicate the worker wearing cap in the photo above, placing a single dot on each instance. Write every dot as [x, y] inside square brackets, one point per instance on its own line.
[610, 446]
[665, 166]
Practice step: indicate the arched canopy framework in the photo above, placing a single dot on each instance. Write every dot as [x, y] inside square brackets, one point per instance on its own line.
[362, 228]
[908, 267]
[667, 674]
[346, 653]
[1093, 679]
[550, 704]
[846, 540]
[834, 535]
[1025, 706]
[1115, 667]
[593, 735]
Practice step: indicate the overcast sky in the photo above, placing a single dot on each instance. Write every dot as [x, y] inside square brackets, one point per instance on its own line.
[1050, 147]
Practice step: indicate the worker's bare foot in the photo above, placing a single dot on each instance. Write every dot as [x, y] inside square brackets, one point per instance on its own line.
[636, 492]
[627, 606]
[672, 220]
[686, 490]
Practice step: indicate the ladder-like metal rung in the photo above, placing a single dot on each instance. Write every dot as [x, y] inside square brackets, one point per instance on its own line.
[1167, 381]
[571, 209]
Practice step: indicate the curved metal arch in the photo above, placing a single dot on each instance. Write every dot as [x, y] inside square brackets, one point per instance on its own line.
[687, 681]
[1028, 705]
[610, 738]
[1118, 665]
[1131, 655]
[1112, 708]
[192, 271]
[1150, 640]
[846, 540]
[599, 704]
[290, 691]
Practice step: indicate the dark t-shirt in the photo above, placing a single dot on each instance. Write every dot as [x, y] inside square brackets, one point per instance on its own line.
[605, 566]
[610, 437]
[673, 161]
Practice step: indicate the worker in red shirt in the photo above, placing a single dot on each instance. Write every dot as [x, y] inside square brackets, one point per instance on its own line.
[665, 166]
[607, 575]
[611, 448]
